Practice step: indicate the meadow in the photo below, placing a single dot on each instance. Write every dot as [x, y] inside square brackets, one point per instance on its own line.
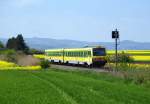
[68, 87]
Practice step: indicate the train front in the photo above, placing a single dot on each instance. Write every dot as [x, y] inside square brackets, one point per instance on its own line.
[99, 56]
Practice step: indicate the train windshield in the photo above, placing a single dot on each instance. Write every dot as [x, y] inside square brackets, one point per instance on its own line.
[99, 52]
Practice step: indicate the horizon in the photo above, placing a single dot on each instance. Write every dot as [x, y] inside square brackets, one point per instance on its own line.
[86, 20]
[75, 40]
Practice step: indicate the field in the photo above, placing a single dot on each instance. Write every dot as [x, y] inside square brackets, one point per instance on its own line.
[137, 55]
[4, 65]
[66, 87]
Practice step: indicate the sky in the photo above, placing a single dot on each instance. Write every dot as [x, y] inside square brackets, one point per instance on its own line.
[86, 20]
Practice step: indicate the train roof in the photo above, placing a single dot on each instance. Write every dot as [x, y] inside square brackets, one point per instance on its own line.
[75, 49]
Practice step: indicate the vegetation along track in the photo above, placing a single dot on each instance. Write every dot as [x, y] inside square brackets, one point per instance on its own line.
[74, 67]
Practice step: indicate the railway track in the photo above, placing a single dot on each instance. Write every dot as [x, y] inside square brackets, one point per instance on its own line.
[75, 67]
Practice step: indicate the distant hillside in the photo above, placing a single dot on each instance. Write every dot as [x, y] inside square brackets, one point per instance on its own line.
[46, 43]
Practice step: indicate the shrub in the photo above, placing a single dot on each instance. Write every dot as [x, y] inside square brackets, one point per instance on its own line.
[1, 45]
[35, 51]
[122, 58]
[45, 64]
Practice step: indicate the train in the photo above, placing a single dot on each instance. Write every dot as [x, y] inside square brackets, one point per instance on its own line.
[85, 56]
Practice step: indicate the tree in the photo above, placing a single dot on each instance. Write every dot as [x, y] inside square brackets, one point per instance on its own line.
[1, 45]
[11, 43]
[17, 43]
[21, 45]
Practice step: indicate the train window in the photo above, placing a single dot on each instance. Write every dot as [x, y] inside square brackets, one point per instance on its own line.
[76, 54]
[99, 52]
[79, 54]
[82, 54]
[70, 54]
[89, 53]
[85, 54]
[64, 53]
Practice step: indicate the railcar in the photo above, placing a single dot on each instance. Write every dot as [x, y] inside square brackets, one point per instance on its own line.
[87, 56]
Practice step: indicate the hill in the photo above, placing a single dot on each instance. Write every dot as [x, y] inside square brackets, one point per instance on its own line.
[45, 43]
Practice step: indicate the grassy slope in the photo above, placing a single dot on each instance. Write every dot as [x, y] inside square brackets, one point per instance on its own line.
[60, 87]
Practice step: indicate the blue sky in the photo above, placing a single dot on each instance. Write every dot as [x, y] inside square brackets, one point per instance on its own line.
[87, 20]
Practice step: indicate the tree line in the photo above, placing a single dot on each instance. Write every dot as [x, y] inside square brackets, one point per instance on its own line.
[18, 44]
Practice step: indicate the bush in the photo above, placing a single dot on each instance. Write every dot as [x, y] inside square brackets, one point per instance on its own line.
[45, 64]
[1, 45]
[35, 51]
[122, 58]
[8, 55]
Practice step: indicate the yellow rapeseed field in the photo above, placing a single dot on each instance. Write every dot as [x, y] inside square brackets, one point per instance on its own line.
[6, 64]
[141, 58]
[138, 55]
[40, 56]
[11, 66]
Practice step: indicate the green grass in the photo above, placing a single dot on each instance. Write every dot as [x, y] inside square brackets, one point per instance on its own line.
[63, 87]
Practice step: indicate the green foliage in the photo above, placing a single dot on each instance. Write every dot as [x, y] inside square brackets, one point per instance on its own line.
[17, 44]
[122, 58]
[7, 51]
[1, 45]
[35, 51]
[8, 55]
[61, 87]
[45, 64]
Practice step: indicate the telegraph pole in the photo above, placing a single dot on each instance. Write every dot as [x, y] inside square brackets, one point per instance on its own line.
[115, 35]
